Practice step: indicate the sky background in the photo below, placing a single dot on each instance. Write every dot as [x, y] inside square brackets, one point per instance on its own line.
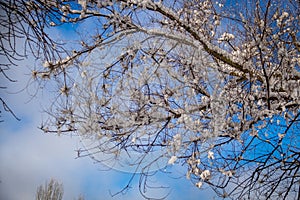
[29, 157]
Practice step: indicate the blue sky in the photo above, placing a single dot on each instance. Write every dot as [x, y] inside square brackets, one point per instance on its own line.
[29, 157]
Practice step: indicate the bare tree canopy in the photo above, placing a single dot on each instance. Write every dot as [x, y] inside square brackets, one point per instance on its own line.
[210, 85]
[50, 191]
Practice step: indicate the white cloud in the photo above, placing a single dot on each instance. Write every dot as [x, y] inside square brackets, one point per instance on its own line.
[28, 158]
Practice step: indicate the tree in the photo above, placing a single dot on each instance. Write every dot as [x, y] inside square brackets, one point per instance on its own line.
[51, 191]
[211, 85]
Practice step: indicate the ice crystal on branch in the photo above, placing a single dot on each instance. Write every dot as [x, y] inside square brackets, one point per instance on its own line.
[226, 37]
[199, 184]
[172, 160]
[205, 175]
[210, 155]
